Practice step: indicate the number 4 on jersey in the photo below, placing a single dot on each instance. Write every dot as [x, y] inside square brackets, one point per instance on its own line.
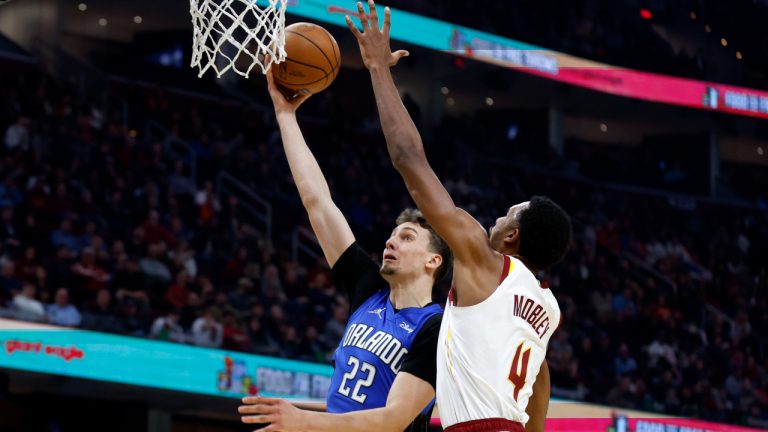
[519, 369]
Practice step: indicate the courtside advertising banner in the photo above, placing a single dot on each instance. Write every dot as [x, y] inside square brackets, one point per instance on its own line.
[162, 365]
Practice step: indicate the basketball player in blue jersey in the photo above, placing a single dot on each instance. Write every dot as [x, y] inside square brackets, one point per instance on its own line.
[384, 372]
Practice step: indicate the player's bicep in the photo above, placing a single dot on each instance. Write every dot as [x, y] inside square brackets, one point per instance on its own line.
[465, 236]
[331, 228]
[538, 404]
[407, 398]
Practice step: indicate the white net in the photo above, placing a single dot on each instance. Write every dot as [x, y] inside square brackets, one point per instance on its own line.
[237, 35]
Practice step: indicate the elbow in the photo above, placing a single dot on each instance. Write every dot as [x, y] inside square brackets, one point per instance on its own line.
[310, 200]
[311, 195]
[408, 160]
[406, 149]
[396, 421]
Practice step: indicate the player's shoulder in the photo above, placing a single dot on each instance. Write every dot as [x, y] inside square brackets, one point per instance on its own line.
[427, 318]
[353, 256]
[429, 330]
[521, 278]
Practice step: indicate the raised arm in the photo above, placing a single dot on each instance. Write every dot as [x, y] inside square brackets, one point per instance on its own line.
[328, 223]
[408, 396]
[466, 237]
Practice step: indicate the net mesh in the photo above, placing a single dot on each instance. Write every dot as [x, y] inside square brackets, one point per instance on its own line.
[237, 35]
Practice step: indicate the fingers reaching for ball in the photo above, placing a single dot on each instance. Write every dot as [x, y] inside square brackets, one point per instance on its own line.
[285, 100]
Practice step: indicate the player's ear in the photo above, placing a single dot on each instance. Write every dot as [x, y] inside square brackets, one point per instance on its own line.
[512, 239]
[433, 261]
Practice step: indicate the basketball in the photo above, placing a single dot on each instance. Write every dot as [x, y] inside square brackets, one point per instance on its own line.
[312, 61]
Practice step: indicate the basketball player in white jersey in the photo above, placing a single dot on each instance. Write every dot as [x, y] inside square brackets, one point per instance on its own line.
[498, 319]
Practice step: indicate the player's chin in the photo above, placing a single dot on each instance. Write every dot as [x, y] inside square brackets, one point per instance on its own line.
[387, 269]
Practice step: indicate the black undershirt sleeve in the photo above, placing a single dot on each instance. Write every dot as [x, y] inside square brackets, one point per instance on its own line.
[421, 360]
[357, 275]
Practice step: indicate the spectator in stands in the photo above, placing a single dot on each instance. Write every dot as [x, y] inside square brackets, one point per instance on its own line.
[62, 312]
[167, 328]
[101, 315]
[236, 336]
[178, 293]
[27, 267]
[311, 348]
[207, 202]
[184, 257]
[152, 232]
[8, 233]
[9, 284]
[87, 273]
[65, 238]
[624, 363]
[334, 330]
[271, 286]
[261, 341]
[153, 266]
[623, 394]
[242, 297]
[180, 183]
[207, 331]
[26, 306]
[17, 134]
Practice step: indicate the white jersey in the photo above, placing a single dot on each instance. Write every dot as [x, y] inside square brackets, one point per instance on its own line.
[489, 354]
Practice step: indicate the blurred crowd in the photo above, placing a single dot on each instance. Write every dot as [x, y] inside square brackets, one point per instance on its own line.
[104, 228]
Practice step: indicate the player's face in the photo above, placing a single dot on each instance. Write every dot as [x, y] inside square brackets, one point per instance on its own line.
[406, 251]
[505, 224]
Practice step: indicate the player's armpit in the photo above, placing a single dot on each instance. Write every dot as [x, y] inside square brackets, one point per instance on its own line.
[538, 404]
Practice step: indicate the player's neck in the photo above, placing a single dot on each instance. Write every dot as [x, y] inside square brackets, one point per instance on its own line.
[515, 253]
[410, 294]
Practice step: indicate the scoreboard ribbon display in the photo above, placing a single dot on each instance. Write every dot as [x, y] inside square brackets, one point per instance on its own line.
[462, 41]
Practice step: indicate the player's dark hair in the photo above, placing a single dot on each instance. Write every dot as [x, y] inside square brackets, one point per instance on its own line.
[545, 233]
[436, 243]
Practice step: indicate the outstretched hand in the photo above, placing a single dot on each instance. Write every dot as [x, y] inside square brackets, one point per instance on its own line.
[284, 103]
[280, 414]
[374, 41]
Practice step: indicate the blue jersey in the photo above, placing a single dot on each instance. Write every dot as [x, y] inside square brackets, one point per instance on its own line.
[376, 342]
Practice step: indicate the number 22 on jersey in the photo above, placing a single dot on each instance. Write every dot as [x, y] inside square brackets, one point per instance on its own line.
[364, 368]
[519, 369]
